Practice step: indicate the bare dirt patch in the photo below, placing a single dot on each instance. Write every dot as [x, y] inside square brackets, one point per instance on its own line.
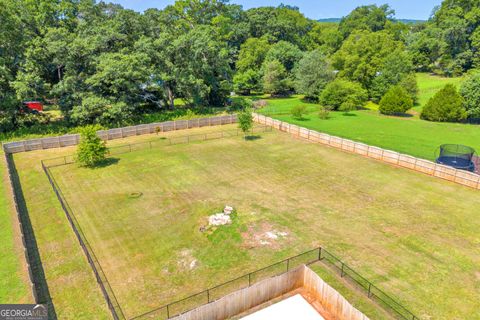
[264, 234]
[186, 260]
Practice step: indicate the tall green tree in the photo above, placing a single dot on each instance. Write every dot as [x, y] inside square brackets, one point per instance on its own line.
[202, 67]
[275, 78]
[285, 52]
[470, 91]
[312, 74]
[283, 23]
[368, 18]
[394, 68]
[362, 55]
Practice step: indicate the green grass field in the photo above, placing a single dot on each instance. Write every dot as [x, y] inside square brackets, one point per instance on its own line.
[14, 286]
[408, 135]
[413, 235]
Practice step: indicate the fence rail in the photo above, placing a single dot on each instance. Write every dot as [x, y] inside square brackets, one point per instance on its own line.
[100, 276]
[465, 178]
[73, 139]
[185, 139]
[179, 307]
[182, 306]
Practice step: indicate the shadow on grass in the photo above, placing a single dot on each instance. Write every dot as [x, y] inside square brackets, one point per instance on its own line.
[106, 163]
[348, 114]
[253, 138]
[311, 101]
[402, 115]
[41, 287]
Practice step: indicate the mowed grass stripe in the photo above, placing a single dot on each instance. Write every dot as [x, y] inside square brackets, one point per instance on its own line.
[71, 282]
[413, 235]
[14, 281]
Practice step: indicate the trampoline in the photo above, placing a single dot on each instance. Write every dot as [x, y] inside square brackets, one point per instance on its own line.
[457, 156]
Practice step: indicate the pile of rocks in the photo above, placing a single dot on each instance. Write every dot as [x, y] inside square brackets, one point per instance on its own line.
[221, 219]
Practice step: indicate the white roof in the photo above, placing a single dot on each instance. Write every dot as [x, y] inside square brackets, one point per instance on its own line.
[292, 308]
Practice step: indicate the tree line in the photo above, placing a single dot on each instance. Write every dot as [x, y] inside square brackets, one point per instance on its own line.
[101, 63]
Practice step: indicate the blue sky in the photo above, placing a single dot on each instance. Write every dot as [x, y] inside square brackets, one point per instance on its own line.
[314, 9]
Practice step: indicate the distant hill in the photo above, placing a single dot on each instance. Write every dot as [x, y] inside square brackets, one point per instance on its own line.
[337, 20]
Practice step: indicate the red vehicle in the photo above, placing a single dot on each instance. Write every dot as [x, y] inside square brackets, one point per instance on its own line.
[34, 106]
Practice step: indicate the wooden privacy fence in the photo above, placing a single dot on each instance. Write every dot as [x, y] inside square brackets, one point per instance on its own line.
[73, 139]
[267, 290]
[329, 298]
[182, 307]
[462, 177]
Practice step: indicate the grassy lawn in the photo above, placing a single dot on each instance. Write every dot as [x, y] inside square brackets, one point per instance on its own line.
[14, 287]
[412, 235]
[408, 135]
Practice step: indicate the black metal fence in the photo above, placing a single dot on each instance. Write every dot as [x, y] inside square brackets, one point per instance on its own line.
[207, 296]
[107, 291]
[319, 254]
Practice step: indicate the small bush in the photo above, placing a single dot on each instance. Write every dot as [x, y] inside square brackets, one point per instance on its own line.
[299, 111]
[245, 121]
[343, 92]
[239, 104]
[445, 106]
[396, 101]
[260, 104]
[324, 113]
[348, 106]
[91, 149]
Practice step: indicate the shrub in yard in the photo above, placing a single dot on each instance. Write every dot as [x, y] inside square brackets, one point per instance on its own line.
[324, 112]
[240, 103]
[260, 104]
[341, 92]
[298, 111]
[245, 121]
[91, 149]
[396, 101]
[445, 106]
[348, 106]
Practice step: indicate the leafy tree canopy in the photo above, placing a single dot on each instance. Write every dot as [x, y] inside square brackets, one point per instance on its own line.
[470, 91]
[343, 95]
[369, 18]
[312, 74]
[363, 54]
